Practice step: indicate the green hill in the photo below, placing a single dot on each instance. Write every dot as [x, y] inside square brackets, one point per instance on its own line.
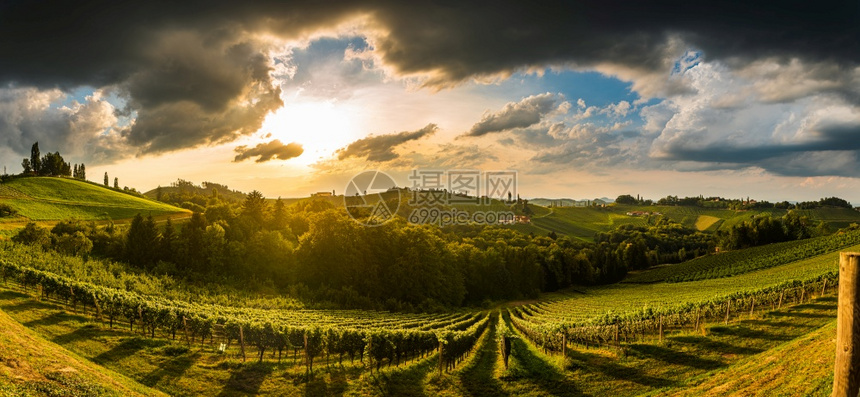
[52, 199]
[33, 366]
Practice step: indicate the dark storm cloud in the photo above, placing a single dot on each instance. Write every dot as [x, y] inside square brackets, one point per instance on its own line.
[269, 151]
[461, 41]
[191, 74]
[197, 73]
[380, 148]
[73, 43]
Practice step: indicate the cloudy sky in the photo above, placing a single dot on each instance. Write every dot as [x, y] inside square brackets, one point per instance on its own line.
[583, 98]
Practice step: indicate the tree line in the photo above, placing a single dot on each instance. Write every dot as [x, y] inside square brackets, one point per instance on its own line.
[316, 252]
[736, 204]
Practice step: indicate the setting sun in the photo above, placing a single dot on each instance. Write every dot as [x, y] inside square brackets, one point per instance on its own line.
[320, 127]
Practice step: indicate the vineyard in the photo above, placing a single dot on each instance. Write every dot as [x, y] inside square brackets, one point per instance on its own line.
[732, 263]
[515, 349]
[627, 312]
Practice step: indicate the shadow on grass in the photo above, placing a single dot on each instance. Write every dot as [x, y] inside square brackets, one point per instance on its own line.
[708, 344]
[53, 319]
[7, 294]
[317, 385]
[128, 347]
[22, 306]
[579, 360]
[537, 371]
[173, 368]
[408, 381]
[675, 357]
[82, 332]
[742, 331]
[802, 314]
[247, 379]
[479, 379]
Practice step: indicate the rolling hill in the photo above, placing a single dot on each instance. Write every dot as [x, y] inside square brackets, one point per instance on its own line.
[46, 199]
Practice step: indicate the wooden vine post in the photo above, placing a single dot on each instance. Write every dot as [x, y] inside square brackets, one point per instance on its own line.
[440, 357]
[846, 374]
[698, 310]
[242, 342]
[823, 287]
[781, 295]
[185, 329]
[563, 345]
[752, 307]
[728, 308]
[661, 329]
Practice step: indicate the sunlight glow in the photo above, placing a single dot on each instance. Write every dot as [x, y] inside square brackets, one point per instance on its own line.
[320, 127]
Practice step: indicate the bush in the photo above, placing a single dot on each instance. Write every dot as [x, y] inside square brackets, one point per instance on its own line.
[6, 210]
[32, 234]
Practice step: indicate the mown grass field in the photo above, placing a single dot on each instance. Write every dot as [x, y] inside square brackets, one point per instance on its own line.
[47, 200]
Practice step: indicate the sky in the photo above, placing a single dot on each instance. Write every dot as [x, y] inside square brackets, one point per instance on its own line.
[582, 99]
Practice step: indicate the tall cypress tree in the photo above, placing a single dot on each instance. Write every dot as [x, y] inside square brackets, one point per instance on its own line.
[106, 180]
[36, 158]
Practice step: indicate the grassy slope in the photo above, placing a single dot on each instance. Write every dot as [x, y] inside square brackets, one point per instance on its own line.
[803, 366]
[45, 199]
[31, 365]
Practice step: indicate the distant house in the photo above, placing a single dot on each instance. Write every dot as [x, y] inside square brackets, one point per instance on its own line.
[321, 194]
[517, 219]
[643, 213]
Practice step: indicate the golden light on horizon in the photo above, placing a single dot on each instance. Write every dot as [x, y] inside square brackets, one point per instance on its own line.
[320, 127]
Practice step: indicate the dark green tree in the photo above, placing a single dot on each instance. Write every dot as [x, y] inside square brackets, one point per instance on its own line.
[254, 208]
[33, 234]
[106, 180]
[168, 242]
[626, 199]
[142, 242]
[36, 158]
